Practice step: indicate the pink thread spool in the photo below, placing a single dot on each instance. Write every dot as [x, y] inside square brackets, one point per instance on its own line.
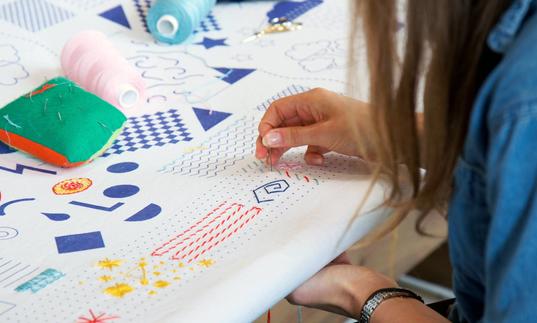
[92, 61]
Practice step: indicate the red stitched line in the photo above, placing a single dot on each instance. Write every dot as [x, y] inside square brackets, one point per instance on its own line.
[307, 179]
[177, 254]
[157, 251]
[287, 173]
[258, 210]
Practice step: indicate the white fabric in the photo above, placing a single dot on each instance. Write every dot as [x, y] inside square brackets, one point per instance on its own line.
[291, 237]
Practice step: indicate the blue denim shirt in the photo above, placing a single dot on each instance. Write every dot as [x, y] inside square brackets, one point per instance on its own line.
[493, 211]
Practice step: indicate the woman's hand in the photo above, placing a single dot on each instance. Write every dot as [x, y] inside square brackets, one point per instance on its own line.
[323, 120]
[340, 288]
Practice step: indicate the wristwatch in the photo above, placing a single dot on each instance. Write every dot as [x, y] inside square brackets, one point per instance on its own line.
[380, 296]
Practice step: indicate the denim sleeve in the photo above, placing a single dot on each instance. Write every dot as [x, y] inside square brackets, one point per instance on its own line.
[511, 188]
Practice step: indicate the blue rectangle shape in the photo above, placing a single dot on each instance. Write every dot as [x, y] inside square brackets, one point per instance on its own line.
[79, 242]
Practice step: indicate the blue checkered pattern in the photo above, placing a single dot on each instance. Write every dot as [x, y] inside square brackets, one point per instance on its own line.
[159, 129]
[209, 24]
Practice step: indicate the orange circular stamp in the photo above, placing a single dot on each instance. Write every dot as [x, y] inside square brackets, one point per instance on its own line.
[72, 186]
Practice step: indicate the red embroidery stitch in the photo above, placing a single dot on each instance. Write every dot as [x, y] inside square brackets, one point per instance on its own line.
[208, 232]
[170, 245]
[101, 318]
[256, 212]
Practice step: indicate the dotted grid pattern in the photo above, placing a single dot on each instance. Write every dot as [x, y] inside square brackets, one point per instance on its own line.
[223, 150]
[33, 15]
[291, 90]
[142, 7]
[235, 187]
[150, 130]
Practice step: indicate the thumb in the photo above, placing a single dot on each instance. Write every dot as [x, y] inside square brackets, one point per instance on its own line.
[295, 136]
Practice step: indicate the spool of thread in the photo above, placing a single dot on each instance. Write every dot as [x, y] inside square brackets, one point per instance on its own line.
[173, 21]
[93, 62]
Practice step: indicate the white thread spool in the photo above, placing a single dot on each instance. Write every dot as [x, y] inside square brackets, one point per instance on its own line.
[168, 26]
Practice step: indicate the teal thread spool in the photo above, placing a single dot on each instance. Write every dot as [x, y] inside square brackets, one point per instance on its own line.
[173, 21]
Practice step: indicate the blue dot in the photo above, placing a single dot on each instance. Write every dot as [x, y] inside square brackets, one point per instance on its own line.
[121, 191]
[5, 149]
[122, 167]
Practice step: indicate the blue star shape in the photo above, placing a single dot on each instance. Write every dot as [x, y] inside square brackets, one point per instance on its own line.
[209, 43]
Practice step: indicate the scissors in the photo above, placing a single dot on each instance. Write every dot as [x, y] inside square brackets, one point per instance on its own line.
[276, 25]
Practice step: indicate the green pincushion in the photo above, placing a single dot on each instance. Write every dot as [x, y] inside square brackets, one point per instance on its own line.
[60, 123]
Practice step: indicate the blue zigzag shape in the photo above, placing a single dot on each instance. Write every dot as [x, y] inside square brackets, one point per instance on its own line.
[141, 13]
[19, 169]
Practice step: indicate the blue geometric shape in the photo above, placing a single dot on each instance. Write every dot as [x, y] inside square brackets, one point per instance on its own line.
[148, 212]
[209, 24]
[233, 75]
[19, 169]
[262, 193]
[116, 15]
[122, 167]
[209, 43]
[97, 207]
[56, 216]
[33, 15]
[210, 118]
[79, 242]
[148, 131]
[292, 9]
[5, 205]
[141, 9]
[121, 191]
[5, 149]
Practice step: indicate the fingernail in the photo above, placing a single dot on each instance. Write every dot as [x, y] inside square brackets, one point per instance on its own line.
[272, 139]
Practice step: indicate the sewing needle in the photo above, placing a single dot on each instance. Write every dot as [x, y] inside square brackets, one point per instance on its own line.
[270, 158]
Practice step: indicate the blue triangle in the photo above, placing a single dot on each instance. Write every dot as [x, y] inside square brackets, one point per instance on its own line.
[5, 149]
[233, 75]
[116, 15]
[210, 118]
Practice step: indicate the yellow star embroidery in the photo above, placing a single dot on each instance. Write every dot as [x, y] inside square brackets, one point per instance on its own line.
[109, 264]
[105, 278]
[206, 263]
[161, 283]
[119, 290]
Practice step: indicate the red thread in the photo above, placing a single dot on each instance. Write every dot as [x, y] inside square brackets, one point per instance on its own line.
[157, 251]
[177, 254]
[307, 179]
[42, 89]
[287, 173]
[268, 316]
[96, 318]
[257, 211]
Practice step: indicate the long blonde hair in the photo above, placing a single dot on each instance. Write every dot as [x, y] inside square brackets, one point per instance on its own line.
[445, 43]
